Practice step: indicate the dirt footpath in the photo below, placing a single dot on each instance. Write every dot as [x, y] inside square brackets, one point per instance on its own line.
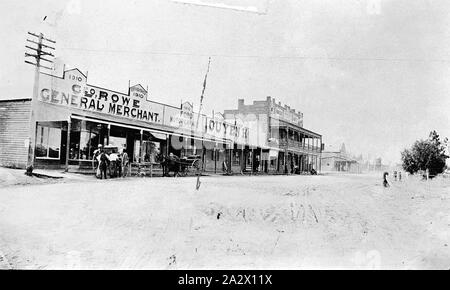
[279, 222]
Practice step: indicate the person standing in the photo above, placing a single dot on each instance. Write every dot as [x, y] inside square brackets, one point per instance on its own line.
[256, 164]
[119, 164]
[95, 160]
[113, 158]
[125, 163]
[104, 164]
[385, 182]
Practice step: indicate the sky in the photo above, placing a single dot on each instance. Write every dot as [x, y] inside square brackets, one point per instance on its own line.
[371, 74]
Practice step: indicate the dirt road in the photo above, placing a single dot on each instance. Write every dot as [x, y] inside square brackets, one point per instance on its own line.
[279, 222]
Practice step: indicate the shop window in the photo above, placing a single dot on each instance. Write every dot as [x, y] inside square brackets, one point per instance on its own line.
[48, 142]
[74, 150]
[94, 141]
[150, 150]
[137, 151]
[249, 158]
[81, 147]
[119, 142]
[273, 162]
[84, 145]
[84, 140]
[236, 158]
[189, 147]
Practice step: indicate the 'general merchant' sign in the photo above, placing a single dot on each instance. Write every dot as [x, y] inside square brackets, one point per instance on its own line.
[72, 91]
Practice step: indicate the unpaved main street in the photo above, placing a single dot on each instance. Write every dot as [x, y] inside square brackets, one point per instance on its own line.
[288, 222]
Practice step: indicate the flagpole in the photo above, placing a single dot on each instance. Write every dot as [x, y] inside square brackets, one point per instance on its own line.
[199, 172]
[203, 92]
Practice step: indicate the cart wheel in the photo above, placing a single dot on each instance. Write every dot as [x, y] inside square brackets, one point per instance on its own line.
[197, 165]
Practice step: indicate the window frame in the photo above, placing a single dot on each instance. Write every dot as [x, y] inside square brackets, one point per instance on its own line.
[47, 146]
[79, 147]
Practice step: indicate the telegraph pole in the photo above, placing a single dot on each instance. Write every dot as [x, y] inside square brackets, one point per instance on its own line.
[38, 53]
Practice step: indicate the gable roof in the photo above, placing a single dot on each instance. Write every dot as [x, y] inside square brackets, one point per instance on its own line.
[139, 85]
[75, 69]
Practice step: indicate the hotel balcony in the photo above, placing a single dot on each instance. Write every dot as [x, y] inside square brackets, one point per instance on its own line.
[295, 139]
[297, 146]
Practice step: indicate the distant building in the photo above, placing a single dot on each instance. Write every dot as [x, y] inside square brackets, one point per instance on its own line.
[339, 161]
[278, 142]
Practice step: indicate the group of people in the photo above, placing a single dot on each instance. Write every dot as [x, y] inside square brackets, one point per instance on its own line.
[114, 164]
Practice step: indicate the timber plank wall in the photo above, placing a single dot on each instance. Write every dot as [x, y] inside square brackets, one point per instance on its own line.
[14, 128]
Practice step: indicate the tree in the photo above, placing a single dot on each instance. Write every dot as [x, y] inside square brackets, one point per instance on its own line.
[426, 154]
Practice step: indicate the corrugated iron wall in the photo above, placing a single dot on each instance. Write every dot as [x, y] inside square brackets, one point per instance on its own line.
[14, 127]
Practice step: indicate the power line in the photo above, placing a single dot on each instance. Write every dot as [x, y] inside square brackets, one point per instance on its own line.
[381, 59]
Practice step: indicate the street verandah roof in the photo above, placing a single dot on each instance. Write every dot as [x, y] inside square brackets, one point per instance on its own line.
[121, 122]
[294, 127]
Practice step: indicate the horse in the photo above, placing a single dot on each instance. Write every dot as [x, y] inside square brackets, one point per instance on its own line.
[169, 164]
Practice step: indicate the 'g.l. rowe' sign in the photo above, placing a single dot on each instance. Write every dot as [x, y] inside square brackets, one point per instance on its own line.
[72, 91]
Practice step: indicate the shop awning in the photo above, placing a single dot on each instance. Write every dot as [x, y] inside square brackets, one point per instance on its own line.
[159, 136]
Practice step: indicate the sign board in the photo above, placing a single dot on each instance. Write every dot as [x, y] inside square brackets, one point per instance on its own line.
[210, 128]
[286, 115]
[187, 110]
[72, 92]
[138, 92]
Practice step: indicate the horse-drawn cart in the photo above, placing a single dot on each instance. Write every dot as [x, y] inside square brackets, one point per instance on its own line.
[181, 166]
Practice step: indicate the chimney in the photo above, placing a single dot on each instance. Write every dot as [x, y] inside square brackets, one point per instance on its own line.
[240, 103]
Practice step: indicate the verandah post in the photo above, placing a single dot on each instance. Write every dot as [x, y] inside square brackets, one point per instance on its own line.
[243, 162]
[253, 157]
[109, 133]
[140, 150]
[69, 128]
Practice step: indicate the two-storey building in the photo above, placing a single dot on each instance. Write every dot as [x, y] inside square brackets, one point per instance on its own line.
[278, 141]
